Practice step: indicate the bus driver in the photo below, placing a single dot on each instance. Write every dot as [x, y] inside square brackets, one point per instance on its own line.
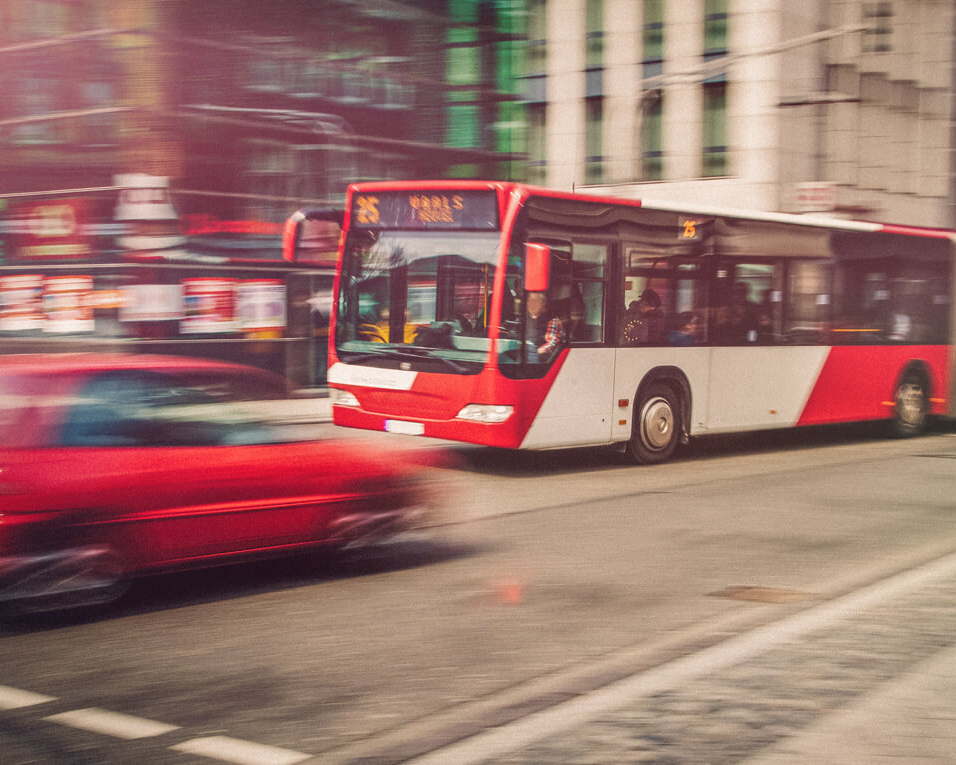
[544, 333]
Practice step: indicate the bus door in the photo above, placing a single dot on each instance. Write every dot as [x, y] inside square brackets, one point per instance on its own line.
[662, 330]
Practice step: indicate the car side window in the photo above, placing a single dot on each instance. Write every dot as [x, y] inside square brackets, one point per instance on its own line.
[136, 409]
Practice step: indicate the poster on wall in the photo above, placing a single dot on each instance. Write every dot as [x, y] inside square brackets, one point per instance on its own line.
[152, 302]
[261, 306]
[209, 306]
[21, 303]
[68, 305]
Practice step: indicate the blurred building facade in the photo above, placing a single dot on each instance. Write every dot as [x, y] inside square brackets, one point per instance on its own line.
[836, 106]
[151, 149]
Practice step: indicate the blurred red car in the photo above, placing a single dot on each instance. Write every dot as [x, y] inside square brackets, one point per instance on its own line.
[120, 465]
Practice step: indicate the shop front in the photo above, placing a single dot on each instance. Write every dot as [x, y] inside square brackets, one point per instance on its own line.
[94, 272]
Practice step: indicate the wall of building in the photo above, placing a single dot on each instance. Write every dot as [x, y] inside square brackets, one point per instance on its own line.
[889, 144]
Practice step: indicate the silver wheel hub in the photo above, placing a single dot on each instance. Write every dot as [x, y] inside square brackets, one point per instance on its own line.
[657, 424]
[909, 403]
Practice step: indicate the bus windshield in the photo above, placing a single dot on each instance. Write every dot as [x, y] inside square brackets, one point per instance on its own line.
[416, 297]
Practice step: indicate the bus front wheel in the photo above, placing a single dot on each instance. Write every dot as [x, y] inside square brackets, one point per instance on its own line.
[656, 427]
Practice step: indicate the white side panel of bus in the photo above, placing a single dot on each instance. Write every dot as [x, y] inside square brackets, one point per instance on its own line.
[732, 389]
[760, 387]
[633, 364]
[577, 409]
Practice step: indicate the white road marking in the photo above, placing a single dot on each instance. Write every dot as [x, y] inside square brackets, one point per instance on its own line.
[112, 723]
[240, 752]
[493, 742]
[14, 698]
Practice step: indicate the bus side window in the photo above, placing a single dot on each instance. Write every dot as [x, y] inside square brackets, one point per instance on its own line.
[754, 304]
[662, 292]
[586, 298]
[807, 319]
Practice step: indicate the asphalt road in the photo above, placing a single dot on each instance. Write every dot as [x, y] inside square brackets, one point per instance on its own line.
[553, 577]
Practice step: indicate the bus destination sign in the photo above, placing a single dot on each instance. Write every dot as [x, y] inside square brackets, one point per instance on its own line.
[426, 209]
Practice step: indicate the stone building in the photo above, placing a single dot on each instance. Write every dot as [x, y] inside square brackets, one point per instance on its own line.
[836, 106]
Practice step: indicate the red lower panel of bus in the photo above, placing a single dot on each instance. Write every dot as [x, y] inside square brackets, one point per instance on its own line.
[435, 399]
[858, 382]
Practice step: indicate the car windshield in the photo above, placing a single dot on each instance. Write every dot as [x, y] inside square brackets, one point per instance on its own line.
[417, 297]
[141, 408]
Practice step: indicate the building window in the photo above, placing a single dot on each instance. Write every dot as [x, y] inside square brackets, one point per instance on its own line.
[715, 27]
[652, 136]
[537, 31]
[715, 129]
[878, 23]
[536, 92]
[537, 144]
[37, 98]
[653, 33]
[594, 54]
[462, 73]
[593, 138]
[595, 34]
[652, 99]
[594, 91]
[715, 90]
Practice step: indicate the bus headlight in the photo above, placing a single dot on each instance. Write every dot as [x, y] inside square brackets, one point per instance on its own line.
[485, 413]
[343, 398]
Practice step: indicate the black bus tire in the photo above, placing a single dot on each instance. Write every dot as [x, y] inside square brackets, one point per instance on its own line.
[656, 427]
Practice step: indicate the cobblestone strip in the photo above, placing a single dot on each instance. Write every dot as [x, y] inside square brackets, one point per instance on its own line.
[736, 712]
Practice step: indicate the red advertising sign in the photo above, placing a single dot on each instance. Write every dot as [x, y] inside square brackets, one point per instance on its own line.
[50, 229]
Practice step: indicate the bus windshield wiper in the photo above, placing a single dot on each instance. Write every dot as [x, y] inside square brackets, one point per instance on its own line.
[414, 354]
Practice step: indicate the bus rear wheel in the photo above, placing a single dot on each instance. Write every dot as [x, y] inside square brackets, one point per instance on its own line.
[656, 427]
[911, 405]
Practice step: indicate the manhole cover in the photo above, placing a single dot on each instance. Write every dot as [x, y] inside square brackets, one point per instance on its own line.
[760, 594]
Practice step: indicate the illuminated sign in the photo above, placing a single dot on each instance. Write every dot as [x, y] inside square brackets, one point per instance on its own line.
[689, 229]
[51, 229]
[426, 209]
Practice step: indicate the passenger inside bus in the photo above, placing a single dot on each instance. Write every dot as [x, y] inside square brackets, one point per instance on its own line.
[644, 320]
[685, 332]
[743, 315]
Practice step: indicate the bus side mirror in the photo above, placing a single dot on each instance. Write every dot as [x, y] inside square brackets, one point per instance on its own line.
[308, 234]
[537, 267]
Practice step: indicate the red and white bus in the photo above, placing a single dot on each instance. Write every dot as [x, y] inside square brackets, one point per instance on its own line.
[677, 322]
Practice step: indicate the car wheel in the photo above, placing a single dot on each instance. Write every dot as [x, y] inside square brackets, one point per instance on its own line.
[911, 407]
[79, 578]
[657, 425]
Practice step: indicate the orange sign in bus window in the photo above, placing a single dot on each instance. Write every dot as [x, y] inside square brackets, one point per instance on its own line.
[432, 208]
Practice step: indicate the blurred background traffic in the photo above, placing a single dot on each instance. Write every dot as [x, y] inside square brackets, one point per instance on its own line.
[150, 150]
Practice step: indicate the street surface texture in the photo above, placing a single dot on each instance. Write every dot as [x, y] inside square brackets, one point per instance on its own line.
[731, 706]
[760, 599]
